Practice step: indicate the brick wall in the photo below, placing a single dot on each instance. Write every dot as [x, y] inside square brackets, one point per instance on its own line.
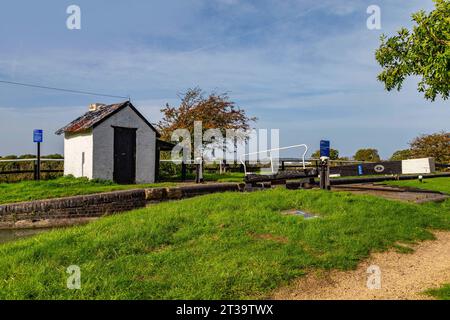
[163, 194]
[74, 207]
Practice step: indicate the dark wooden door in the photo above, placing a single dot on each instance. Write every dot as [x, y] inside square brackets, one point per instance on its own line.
[124, 155]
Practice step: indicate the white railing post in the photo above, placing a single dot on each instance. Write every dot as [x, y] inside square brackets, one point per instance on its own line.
[242, 157]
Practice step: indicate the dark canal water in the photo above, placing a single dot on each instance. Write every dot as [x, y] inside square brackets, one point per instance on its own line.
[12, 235]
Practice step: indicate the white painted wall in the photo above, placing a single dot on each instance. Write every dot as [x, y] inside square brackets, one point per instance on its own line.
[417, 166]
[74, 146]
[103, 146]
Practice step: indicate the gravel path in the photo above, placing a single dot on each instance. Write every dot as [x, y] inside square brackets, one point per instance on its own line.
[403, 276]
[393, 193]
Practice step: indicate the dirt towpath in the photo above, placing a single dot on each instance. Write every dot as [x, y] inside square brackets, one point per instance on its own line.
[403, 276]
[393, 192]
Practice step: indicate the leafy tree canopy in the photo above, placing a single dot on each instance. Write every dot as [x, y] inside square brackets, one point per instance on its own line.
[436, 145]
[422, 52]
[367, 155]
[9, 157]
[216, 111]
[401, 155]
[334, 154]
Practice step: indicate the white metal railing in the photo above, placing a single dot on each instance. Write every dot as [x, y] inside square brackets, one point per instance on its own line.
[242, 157]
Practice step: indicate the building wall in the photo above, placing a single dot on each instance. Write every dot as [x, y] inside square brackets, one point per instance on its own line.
[74, 147]
[103, 144]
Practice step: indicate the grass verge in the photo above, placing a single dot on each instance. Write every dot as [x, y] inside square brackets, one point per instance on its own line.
[442, 293]
[434, 184]
[226, 177]
[61, 187]
[220, 246]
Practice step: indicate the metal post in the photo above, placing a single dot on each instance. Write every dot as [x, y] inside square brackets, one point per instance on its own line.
[199, 171]
[183, 171]
[35, 169]
[322, 177]
[38, 164]
[327, 177]
[157, 163]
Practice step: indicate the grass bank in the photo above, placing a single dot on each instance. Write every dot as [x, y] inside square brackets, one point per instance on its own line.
[434, 184]
[442, 293]
[220, 246]
[61, 187]
[69, 186]
[226, 177]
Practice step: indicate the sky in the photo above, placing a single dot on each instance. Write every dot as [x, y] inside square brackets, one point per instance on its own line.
[304, 67]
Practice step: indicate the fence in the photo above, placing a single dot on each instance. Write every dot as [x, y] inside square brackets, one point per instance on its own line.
[12, 170]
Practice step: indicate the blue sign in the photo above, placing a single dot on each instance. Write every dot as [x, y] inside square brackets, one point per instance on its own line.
[38, 135]
[325, 148]
[360, 170]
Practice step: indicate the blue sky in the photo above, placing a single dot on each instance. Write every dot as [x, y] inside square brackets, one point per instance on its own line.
[305, 67]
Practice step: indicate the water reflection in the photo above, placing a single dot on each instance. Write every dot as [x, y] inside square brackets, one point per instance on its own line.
[12, 235]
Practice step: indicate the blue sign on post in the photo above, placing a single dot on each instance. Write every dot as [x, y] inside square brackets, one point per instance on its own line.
[38, 135]
[325, 148]
[360, 170]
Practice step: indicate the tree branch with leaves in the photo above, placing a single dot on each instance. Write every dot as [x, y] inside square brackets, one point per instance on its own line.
[422, 52]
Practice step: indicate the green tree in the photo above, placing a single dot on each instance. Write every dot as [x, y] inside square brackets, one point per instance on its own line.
[367, 155]
[27, 156]
[422, 52]
[436, 145]
[334, 154]
[401, 155]
[10, 157]
[54, 156]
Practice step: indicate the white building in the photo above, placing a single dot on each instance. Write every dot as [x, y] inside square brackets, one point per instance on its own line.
[111, 142]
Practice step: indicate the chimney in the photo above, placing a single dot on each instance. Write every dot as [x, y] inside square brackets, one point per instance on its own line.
[95, 106]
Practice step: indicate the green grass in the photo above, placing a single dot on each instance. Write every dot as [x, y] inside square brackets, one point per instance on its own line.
[69, 186]
[220, 246]
[434, 184]
[60, 187]
[226, 177]
[442, 293]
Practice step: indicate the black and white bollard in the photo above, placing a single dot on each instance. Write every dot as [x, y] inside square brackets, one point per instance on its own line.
[324, 173]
